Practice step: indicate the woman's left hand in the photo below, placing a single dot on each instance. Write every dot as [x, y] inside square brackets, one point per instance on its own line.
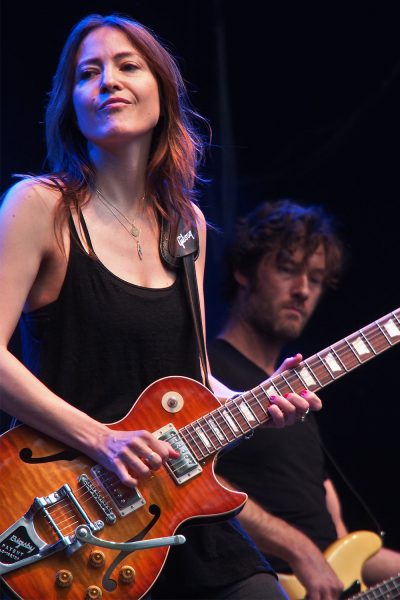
[291, 408]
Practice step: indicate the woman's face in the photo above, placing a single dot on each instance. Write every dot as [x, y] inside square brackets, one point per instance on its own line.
[115, 94]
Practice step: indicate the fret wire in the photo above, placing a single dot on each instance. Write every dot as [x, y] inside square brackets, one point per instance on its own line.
[248, 405]
[228, 409]
[212, 435]
[366, 339]
[395, 316]
[326, 365]
[258, 403]
[200, 426]
[182, 434]
[208, 430]
[304, 365]
[276, 381]
[287, 383]
[265, 391]
[291, 378]
[238, 414]
[218, 426]
[338, 357]
[199, 450]
[310, 369]
[223, 423]
[227, 421]
[264, 410]
[242, 415]
[301, 377]
[196, 435]
[353, 351]
[384, 334]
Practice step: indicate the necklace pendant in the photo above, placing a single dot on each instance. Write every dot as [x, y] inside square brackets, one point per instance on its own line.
[135, 231]
[139, 250]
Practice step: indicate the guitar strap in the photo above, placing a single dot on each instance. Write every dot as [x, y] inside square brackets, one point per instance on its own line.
[180, 242]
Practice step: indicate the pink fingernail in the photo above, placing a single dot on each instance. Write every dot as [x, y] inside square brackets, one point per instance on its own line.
[272, 398]
[303, 392]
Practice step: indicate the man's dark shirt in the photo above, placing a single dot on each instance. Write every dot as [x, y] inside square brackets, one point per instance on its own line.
[281, 469]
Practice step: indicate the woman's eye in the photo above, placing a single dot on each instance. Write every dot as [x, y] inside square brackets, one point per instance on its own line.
[129, 67]
[87, 74]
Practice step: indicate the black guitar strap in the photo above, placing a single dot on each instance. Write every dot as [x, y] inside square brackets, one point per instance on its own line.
[181, 243]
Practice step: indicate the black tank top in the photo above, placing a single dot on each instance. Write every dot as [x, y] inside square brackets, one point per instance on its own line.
[98, 346]
[104, 340]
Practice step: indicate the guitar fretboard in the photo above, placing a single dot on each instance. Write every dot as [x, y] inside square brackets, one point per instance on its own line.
[242, 414]
[388, 590]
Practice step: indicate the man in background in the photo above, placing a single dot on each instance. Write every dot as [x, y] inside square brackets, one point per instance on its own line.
[282, 259]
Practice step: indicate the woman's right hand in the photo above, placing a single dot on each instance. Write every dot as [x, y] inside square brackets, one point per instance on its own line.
[132, 455]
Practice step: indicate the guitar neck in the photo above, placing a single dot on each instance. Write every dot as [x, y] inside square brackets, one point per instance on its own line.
[387, 590]
[239, 416]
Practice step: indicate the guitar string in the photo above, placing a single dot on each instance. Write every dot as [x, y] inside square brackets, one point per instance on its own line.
[291, 377]
[67, 509]
[217, 417]
[343, 353]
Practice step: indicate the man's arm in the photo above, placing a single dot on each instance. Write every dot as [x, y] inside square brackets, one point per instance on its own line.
[276, 537]
[334, 508]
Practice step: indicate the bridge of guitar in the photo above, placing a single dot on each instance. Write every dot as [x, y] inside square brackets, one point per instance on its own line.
[21, 543]
[50, 525]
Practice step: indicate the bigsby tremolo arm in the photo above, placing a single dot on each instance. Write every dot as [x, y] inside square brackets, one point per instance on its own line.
[84, 534]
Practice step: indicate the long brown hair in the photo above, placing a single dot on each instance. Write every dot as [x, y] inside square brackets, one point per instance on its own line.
[176, 146]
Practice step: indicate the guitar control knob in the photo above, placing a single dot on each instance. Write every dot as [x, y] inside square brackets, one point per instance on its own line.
[127, 574]
[93, 593]
[97, 558]
[172, 402]
[64, 578]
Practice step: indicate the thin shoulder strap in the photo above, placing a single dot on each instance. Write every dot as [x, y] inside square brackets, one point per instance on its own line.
[85, 230]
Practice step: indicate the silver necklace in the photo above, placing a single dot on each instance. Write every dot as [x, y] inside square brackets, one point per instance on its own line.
[133, 230]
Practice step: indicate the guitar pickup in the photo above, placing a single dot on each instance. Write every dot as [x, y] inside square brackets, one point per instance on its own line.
[184, 467]
[126, 500]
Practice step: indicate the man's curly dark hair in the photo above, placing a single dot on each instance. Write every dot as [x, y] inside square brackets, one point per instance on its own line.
[279, 228]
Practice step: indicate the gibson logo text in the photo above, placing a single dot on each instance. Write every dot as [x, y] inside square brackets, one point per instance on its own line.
[182, 239]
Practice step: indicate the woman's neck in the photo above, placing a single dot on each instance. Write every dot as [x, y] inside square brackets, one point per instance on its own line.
[121, 173]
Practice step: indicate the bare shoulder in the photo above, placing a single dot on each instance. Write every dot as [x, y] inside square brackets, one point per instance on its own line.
[200, 218]
[201, 227]
[32, 194]
[29, 206]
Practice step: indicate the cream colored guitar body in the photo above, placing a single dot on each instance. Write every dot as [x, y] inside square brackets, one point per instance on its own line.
[346, 556]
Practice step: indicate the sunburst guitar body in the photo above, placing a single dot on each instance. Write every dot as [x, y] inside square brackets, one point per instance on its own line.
[72, 491]
[69, 530]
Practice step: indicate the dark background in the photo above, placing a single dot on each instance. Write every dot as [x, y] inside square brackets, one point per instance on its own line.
[303, 99]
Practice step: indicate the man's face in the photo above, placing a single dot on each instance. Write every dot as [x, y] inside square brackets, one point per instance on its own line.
[284, 294]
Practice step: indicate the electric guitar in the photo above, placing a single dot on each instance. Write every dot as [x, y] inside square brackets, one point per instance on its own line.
[71, 530]
[346, 556]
